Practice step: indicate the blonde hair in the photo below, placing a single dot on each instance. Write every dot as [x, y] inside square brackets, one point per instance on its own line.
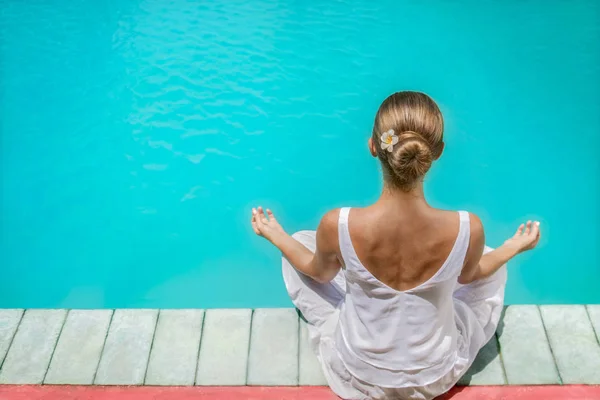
[419, 125]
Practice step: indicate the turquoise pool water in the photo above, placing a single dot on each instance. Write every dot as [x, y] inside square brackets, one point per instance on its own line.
[136, 135]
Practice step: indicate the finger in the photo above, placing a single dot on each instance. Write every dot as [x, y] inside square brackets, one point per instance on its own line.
[257, 220]
[271, 215]
[261, 215]
[537, 232]
[528, 228]
[535, 229]
[519, 230]
[537, 239]
[254, 226]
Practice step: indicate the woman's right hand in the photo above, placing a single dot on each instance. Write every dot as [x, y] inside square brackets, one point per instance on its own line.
[267, 227]
[526, 237]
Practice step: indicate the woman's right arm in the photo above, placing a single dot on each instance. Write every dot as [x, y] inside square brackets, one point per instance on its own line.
[479, 266]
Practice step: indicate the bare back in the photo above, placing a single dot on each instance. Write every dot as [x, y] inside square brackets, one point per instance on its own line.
[403, 248]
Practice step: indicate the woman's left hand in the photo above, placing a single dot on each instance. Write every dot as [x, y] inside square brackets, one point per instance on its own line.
[266, 225]
[526, 237]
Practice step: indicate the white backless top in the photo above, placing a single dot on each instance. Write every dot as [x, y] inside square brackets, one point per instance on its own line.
[397, 338]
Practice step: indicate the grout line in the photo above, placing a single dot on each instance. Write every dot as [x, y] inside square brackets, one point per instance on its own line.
[249, 345]
[56, 345]
[501, 357]
[10, 342]
[597, 334]
[195, 381]
[549, 344]
[112, 314]
[158, 313]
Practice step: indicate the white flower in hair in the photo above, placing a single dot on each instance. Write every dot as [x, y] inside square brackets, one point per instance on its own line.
[388, 140]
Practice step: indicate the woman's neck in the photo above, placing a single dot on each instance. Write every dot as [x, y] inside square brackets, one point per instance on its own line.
[413, 199]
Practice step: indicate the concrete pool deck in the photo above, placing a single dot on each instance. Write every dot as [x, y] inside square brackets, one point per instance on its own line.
[534, 345]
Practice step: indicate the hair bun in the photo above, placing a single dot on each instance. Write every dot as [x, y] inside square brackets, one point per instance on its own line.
[412, 158]
[417, 138]
[407, 135]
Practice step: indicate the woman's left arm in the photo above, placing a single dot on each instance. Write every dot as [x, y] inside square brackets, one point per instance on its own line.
[323, 265]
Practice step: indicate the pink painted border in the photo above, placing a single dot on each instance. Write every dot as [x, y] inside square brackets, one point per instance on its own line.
[37, 392]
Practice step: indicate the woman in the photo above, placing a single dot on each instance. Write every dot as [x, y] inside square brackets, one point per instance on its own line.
[399, 296]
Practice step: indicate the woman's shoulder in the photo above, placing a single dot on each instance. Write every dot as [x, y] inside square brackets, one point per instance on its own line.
[333, 216]
[475, 224]
[451, 214]
[330, 220]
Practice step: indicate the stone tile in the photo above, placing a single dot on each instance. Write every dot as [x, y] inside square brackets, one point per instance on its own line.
[310, 371]
[174, 353]
[224, 348]
[273, 358]
[127, 348]
[79, 347]
[574, 344]
[525, 349]
[9, 320]
[593, 311]
[31, 350]
[487, 368]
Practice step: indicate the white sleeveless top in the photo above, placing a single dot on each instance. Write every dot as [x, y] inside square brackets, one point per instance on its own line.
[394, 338]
